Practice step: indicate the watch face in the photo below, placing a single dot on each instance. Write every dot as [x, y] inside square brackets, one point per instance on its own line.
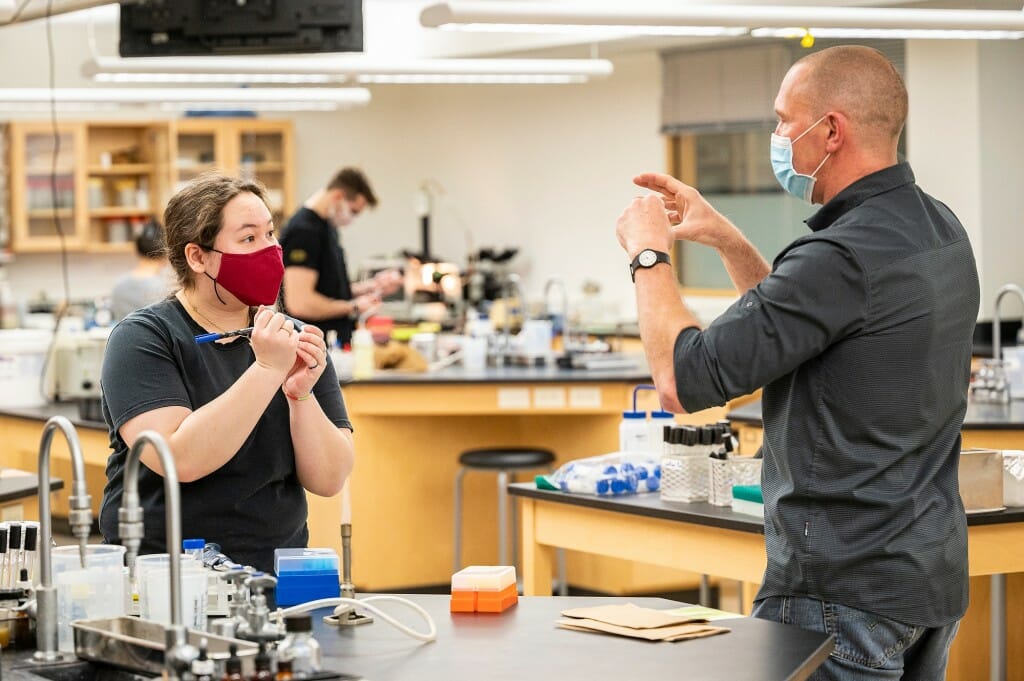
[647, 258]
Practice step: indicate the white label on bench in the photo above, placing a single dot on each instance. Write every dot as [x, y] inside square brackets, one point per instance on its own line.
[585, 398]
[549, 398]
[513, 398]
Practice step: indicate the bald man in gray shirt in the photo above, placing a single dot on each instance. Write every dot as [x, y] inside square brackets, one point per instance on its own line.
[860, 334]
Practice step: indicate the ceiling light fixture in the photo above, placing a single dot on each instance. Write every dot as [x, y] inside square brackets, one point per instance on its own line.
[656, 18]
[341, 69]
[272, 99]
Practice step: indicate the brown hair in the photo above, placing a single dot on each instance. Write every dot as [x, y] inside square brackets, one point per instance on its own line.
[353, 182]
[862, 83]
[194, 215]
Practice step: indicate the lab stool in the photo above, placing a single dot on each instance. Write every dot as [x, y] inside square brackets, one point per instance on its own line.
[506, 461]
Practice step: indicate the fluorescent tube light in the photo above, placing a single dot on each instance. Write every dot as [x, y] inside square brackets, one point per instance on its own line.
[640, 15]
[601, 31]
[886, 33]
[316, 99]
[345, 68]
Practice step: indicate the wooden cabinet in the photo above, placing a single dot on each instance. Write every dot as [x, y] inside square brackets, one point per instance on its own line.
[91, 185]
[127, 182]
[250, 148]
[94, 184]
[47, 185]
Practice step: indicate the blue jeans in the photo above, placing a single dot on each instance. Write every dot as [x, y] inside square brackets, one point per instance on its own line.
[868, 647]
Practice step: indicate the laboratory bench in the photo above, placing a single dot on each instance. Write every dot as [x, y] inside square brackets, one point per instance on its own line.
[720, 542]
[21, 429]
[524, 643]
[19, 494]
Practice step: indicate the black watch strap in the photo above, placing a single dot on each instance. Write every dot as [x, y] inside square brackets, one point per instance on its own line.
[647, 258]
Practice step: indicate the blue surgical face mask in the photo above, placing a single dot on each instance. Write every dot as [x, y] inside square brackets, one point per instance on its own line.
[799, 185]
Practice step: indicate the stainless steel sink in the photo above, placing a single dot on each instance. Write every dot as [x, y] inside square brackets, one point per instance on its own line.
[139, 644]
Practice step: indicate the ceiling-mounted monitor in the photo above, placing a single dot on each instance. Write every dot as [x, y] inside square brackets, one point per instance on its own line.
[163, 28]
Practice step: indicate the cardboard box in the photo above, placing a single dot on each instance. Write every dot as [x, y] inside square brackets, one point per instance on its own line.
[981, 480]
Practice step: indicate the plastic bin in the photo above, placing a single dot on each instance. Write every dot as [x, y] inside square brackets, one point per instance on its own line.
[727, 473]
[685, 477]
[22, 356]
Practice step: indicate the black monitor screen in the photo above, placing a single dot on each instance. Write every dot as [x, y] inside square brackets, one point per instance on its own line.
[157, 28]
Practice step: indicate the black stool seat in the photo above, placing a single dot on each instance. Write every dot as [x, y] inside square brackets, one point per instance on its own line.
[506, 457]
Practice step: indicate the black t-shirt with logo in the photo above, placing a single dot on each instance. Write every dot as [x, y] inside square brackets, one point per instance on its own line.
[310, 241]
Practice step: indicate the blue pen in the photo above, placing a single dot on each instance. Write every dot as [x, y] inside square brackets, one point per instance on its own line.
[210, 337]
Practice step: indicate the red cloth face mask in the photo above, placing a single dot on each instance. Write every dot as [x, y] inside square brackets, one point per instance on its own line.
[254, 278]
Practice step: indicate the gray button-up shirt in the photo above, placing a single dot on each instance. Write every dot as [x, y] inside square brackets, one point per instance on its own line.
[861, 337]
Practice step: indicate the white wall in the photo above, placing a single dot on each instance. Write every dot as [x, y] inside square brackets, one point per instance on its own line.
[545, 168]
[964, 143]
[1001, 132]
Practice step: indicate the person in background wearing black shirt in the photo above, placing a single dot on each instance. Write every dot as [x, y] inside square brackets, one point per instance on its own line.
[317, 287]
[860, 333]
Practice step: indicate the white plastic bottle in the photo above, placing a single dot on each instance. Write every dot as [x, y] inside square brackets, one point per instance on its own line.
[656, 434]
[634, 435]
[362, 351]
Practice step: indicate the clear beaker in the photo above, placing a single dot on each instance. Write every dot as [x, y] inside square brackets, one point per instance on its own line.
[96, 591]
[153, 575]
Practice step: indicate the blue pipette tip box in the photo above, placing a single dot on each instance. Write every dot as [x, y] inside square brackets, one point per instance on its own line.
[306, 575]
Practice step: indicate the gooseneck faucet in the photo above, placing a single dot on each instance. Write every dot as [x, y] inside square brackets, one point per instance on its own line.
[996, 320]
[178, 654]
[563, 290]
[80, 518]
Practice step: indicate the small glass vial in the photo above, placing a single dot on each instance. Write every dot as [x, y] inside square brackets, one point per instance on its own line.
[299, 646]
[233, 666]
[261, 671]
[202, 666]
[284, 670]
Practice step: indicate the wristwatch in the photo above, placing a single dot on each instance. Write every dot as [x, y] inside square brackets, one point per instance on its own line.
[647, 258]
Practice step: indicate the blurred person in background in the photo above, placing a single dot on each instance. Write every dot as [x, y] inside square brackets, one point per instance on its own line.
[317, 286]
[147, 282]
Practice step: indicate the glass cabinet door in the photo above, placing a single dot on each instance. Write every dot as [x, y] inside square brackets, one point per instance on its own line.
[261, 156]
[48, 186]
[197, 153]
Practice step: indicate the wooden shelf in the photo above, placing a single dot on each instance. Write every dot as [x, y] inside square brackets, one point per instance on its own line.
[122, 169]
[42, 213]
[264, 167]
[45, 172]
[195, 167]
[119, 212]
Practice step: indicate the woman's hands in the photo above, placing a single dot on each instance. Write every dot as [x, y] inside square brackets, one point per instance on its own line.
[274, 341]
[298, 356]
[310, 360]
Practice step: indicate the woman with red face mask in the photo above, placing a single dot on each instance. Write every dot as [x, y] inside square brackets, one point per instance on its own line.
[253, 421]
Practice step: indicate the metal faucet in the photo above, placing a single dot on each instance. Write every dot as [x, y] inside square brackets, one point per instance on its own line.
[513, 285]
[996, 321]
[178, 654]
[80, 518]
[991, 383]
